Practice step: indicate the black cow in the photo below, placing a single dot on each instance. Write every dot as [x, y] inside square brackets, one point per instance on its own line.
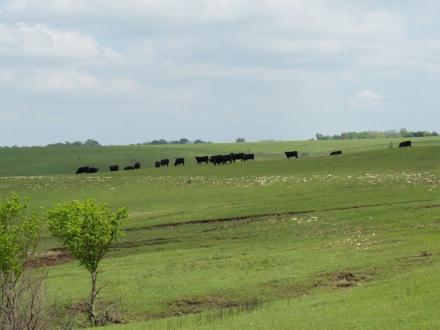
[227, 159]
[129, 168]
[216, 159]
[291, 154]
[164, 162]
[405, 144]
[157, 164]
[237, 156]
[93, 170]
[114, 168]
[201, 160]
[247, 157]
[137, 166]
[337, 152]
[81, 170]
[179, 161]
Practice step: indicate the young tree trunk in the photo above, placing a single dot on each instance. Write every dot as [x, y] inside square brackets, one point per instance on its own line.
[94, 292]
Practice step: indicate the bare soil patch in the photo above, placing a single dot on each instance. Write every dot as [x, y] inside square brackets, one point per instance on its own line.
[50, 258]
[147, 242]
[341, 280]
[197, 305]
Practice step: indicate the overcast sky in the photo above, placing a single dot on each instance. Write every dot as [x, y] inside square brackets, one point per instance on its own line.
[128, 71]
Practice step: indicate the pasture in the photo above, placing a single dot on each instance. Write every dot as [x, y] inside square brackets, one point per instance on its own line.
[350, 241]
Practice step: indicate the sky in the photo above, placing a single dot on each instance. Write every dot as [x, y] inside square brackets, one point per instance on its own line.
[132, 71]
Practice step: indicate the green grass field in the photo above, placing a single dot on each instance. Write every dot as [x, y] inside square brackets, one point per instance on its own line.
[320, 242]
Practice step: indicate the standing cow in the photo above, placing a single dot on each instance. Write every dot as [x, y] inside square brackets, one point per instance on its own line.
[164, 162]
[81, 170]
[179, 161]
[247, 157]
[201, 160]
[291, 154]
[93, 170]
[405, 144]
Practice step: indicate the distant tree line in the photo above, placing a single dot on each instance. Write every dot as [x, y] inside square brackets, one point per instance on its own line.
[375, 135]
[181, 141]
[87, 143]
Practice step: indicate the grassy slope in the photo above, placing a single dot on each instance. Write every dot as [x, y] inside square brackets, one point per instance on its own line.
[369, 213]
[65, 160]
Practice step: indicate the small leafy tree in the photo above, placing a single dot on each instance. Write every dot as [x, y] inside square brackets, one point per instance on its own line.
[19, 234]
[240, 140]
[88, 230]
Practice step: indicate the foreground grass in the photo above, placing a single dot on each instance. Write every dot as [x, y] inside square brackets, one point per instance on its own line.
[344, 242]
[204, 267]
[407, 301]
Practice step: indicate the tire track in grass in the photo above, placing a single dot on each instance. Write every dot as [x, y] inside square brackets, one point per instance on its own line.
[263, 216]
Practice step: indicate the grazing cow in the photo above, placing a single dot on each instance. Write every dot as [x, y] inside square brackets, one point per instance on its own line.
[114, 168]
[337, 152]
[81, 170]
[137, 166]
[164, 162]
[129, 168]
[247, 157]
[179, 161]
[201, 160]
[227, 159]
[237, 156]
[405, 144]
[216, 160]
[157, 164]
[93, 170]
[291, 154]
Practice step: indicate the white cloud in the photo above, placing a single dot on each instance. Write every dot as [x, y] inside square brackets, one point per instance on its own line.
[43, 41]
[287, 59]
[368, 95]
[367, 99]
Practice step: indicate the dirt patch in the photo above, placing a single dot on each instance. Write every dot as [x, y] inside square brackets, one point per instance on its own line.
[347, 279]
[424, 254]
[108, 312]
[197, 305]
[201, 304]
[50, 258]
[147, 242]
[422, 257]
[341, 280]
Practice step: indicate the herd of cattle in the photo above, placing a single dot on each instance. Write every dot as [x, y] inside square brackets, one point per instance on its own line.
[216, 160]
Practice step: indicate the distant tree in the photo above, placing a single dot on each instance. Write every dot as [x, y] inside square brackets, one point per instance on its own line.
[161, 141]
[199, 141]
[88, 230]
[87, 143]
[374, 135]
[91, 143]
[19, 234]
[240, 140]
[183, 141]
[404, 132]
